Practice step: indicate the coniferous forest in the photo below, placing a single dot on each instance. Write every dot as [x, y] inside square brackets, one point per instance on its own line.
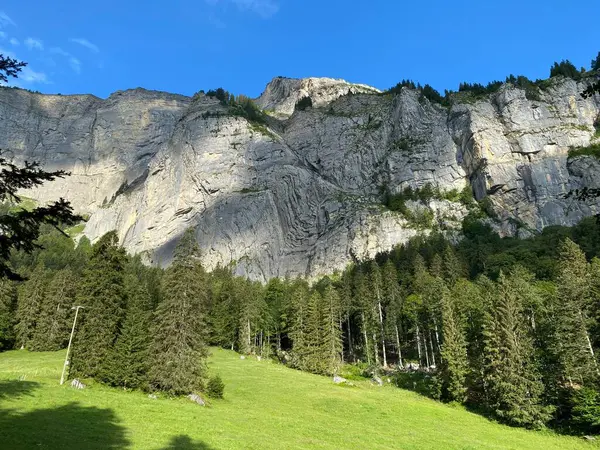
[507, 327]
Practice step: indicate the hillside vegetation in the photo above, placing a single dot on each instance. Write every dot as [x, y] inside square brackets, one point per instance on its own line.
[266, 405]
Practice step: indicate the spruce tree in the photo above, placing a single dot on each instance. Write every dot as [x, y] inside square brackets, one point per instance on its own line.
[314, 336]
[178, 351]
[129, 358]
[514, 386]
[102, 294]
[299, 324]
[332, 343]
[454, 364]
[572, 343]
[394, 301]
[29, 303]
[8, 306]
[53, 324]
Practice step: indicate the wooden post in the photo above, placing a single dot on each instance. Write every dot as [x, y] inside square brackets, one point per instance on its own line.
[62, 377]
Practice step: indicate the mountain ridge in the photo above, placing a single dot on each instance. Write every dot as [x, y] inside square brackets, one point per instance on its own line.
[301, 195]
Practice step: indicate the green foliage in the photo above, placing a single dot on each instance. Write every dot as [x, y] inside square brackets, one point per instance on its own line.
[54, 316]
[8, 306]
[566, 69]
[215, 387]
[585, 410]
[178, 347]
[239, 106]
[102, 295]
[591, 150]
[595, 65]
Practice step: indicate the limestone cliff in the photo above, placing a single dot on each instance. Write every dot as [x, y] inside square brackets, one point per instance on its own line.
[303, 195]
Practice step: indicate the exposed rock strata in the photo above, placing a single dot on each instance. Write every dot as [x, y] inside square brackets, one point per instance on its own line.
[303, 196]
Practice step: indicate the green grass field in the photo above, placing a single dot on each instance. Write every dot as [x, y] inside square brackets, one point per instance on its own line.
[266, 406]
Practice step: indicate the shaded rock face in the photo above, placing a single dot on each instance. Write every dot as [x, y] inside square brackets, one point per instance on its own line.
[301, 197]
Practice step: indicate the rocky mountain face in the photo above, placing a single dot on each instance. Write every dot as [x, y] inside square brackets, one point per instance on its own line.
[301, 196]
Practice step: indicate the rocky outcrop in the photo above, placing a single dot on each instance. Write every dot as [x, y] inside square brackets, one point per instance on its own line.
[301, 196]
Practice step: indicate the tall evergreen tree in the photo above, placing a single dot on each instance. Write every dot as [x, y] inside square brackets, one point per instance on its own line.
[394, 301]
[129, 358]
[299, 324]
[53, 323]
[178, 351]
[454, 364]
[572, 343]
[332, 333]
[8, 306]
[29, 303]
[102, 293]
[514, 387]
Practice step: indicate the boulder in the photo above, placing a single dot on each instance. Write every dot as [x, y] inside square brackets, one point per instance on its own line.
[338, 380]
[197, 399]
[242, 357]
[77, 384]
[152, 396]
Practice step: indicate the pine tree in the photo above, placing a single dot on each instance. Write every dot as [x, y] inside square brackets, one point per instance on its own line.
[224, 315]
[393, 299]
[53, 323]
[129, 358]
[454, 365]
[574, 298]
[299, 324]
[102, 294]
[362, 295]
[29, 303]
[8, 306]
[514, 387]
[376, 311]
[313, 336]
[332, 333]
[453, 268]
[178, 350]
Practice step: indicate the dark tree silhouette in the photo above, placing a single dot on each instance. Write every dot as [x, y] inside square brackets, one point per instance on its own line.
[9, 67]
[19, 230]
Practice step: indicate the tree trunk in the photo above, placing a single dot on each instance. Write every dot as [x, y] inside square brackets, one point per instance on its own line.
[426, 351]
[350, 350]
[432, 349]
[419, 346]
[382, 334]
[364, 326]
[375, 349]
[398, 347]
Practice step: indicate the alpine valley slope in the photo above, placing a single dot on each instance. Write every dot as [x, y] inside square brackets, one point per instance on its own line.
[302, 196]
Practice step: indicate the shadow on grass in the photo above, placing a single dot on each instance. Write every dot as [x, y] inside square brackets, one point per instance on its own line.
[185, 443]
[15, 388]
[69, 426]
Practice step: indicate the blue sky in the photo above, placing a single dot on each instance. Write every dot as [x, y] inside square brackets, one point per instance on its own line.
[75, 46]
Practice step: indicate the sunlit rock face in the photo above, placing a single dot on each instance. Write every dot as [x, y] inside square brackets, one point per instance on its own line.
[301, 196]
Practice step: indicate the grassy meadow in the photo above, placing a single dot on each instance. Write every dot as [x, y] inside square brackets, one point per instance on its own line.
[266, 406]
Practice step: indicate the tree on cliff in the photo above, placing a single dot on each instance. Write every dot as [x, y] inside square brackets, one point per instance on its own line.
[19, 229]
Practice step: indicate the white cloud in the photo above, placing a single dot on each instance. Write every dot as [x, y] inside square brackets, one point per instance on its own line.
[87, 44]
[75, 65]
[264, 8]
[30, 76]
[59, 51]
[5, 20]
[14, 41]
[32, 43]
[74, 62]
